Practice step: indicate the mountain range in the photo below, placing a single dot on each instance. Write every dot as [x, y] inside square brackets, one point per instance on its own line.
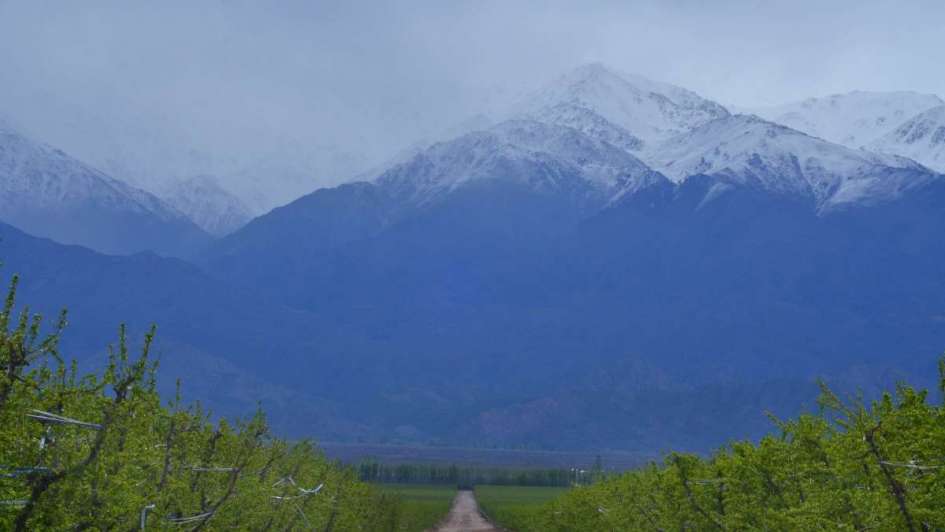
[854, 119]
[49, 193]
[616, 263]
[636, 113]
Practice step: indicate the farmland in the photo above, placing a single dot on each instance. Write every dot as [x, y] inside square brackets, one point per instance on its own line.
[422, 506]
[513, 507]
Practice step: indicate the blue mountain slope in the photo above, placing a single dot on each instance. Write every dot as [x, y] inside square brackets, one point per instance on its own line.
[229, 346]
[503, 312]
[534, 284]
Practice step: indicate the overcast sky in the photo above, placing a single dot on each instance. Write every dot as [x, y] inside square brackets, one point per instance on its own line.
[230, 77]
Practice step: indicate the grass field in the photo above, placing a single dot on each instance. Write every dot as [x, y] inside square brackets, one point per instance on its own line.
[512, 507]
[423, 505]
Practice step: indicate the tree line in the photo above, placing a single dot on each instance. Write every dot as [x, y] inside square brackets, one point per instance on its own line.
[453, 474]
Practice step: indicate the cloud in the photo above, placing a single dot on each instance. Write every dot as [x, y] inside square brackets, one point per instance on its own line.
[206, 86]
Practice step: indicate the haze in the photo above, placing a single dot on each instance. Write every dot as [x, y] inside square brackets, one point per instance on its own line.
[328, 90]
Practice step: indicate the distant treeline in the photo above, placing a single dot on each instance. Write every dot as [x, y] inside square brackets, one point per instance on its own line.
[374, 471]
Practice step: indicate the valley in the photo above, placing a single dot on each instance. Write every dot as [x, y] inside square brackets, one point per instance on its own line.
[472, 266]
[539, 283]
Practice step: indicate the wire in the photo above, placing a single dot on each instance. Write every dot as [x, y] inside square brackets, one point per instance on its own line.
[48, 417]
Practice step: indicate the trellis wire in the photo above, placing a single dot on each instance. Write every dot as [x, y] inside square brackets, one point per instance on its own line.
[213, 469]
[189, 519]
[14, 502]
[911, 464]
[304, 493]
[21, 471]
[48, 417]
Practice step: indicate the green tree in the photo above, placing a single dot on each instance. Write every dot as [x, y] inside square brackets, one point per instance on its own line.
[101, 452]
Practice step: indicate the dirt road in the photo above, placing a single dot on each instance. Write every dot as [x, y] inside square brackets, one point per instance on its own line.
[464, 516]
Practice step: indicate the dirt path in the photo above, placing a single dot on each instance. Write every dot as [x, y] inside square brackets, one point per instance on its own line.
[464, 516]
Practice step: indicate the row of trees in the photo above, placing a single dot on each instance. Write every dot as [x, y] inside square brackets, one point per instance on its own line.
[101, 452]
[374, 471]
[854, 466]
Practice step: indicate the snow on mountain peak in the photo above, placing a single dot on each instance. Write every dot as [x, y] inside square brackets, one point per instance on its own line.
[47, 193]
[40, 175]
[590, 123]
[921, 138]
[649, 111]
[853, 119]
[213, 208]
[748, 150]
[544, 156]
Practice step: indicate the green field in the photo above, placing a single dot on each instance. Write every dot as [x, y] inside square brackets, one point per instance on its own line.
[423, 505]
[514, 507]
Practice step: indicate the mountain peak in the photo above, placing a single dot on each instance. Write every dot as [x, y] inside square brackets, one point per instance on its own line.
[595, 72]
[48, 193]
[887, 98]
[208, 204]
[546, 157]
[647, 110]
[591, 75]
[749, 150]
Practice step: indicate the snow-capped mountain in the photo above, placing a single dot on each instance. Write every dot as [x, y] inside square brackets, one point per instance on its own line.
[740, 150]
[748, 150]
[616, 226]
[543, 157]
[590, 123]
[647, 110]
[210, 206]
[921, 138]
[263, 169]
[48, 193]
[509, 256]
[853, 119]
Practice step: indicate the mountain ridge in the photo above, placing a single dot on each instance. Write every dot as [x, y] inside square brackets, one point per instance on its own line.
[47, 192]
[648, 111]
[749, 150]
[922, 138]
[854, 119]
[206, 203]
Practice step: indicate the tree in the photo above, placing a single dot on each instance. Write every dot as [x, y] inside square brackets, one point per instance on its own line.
[101, 451]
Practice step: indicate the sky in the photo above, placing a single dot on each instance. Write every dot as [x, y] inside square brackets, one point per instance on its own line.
[170, 88]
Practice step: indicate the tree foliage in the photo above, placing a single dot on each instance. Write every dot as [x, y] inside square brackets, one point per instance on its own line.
[853, 466]
[101, 452]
